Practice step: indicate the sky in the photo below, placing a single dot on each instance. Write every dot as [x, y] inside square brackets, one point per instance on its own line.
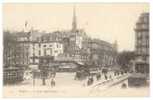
[105, 21]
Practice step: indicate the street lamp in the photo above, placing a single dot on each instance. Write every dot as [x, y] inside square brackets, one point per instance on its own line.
[44, 75]
[34, 76]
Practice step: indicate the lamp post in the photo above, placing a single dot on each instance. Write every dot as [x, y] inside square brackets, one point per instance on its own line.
[44, 75]
[34, 76]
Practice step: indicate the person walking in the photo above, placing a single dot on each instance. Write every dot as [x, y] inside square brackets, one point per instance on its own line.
[110, 77]
[105, 77]
[90, 80]
[98, 76]
[52, 82]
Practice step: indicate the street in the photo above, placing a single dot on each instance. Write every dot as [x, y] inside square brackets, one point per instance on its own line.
[67, 86]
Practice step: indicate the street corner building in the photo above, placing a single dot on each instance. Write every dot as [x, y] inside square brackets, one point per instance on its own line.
[52, 63]
[141, 63]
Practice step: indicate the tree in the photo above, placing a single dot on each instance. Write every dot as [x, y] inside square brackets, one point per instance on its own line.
[124, 59]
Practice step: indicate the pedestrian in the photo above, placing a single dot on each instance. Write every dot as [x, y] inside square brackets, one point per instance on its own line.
[124, 85]
[110, 77]
[118, 73]
[105, 77]
[90, 81]
[121, 72]
[114, 73]
[43, 81]
[98, 76]
[52, 83]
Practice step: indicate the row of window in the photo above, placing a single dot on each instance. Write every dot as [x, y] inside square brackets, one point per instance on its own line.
[12, 74]
[142, 51]
[50, 45]
[57, 45]
[140, 43]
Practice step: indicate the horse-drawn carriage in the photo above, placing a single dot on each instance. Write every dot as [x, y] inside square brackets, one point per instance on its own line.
[81, 74]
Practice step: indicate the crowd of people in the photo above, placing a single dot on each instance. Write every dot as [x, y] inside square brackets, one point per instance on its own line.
[91, 77]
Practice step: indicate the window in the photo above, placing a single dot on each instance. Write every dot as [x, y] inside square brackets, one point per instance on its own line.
[145, 19]
[56, 51]
[57, 45]
[44, 45]
[139, 35]
[139, 42]
[145, 26]
[147, 37]
[39, 52]
[44, 52]
[39, 45]
[33, 60]
[50, 51]
[33, 54]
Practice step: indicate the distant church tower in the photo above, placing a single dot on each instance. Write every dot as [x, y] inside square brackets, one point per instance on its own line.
[74, 22]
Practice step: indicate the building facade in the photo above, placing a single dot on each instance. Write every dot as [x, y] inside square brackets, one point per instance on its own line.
[73, 45]
[16, 48]
[39, 49]
[102, 53]
[76, 45]
[15, 56]
[142, 44]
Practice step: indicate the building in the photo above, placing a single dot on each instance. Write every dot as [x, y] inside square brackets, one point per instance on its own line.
[72, 40]
[39, 49]
[79, 47]
[51, 49]
[142, 44]
[16, 48]
[34, 52]
[15, 56]
[67, 45]
[102, 53]
[9, 42]
[140, 65]
[22, 51]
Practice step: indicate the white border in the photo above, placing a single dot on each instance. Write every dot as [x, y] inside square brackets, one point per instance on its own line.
[70, 1]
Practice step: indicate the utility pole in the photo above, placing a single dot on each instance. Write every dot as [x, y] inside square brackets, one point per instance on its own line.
[43, 77]
[34, 76]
